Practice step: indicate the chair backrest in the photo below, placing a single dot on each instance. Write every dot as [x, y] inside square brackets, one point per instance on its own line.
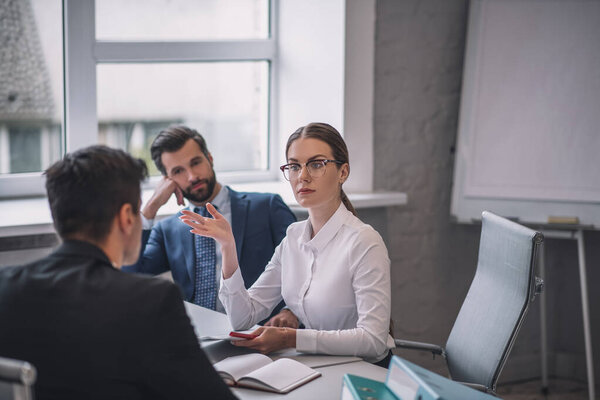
[16, 379]
[496, 304]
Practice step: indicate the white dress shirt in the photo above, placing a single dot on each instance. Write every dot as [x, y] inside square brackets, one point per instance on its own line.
[337, 284]
[223, 204]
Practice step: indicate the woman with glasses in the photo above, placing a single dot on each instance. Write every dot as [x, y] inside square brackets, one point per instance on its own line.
[332, 270]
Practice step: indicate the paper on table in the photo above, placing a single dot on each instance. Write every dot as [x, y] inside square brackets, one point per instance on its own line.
[314, 360]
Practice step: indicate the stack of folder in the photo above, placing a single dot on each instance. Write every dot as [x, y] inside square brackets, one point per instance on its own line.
[407, 381]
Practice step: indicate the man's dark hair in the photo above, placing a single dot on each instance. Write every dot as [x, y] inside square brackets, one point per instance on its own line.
[172, 139]
[87, 188]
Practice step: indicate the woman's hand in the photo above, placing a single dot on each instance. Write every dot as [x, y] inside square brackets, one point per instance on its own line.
[285, 318]
[270, 339]
[217, 228]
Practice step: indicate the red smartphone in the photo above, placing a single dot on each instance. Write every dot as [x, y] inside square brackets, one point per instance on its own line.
[243, 335]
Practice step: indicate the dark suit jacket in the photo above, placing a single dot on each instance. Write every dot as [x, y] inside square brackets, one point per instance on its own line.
[259, 223]
[94, 332]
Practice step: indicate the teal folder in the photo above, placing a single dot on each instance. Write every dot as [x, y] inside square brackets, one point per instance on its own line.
[408, 381]
[359, 388]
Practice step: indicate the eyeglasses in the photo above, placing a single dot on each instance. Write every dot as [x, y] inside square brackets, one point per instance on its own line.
[316, 168]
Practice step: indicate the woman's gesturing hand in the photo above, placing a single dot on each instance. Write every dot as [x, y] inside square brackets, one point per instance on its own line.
[217, 228]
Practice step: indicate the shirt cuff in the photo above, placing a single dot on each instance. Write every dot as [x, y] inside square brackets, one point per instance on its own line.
[306, 340]
[234, 284]
[147, 224]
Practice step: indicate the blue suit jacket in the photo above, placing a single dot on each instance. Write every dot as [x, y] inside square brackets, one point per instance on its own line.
[259, 222]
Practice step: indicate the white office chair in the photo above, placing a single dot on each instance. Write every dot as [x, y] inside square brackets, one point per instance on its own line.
[16, 379]
[494, 309]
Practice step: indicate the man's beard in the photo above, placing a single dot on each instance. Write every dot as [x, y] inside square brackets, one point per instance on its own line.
[204, 194]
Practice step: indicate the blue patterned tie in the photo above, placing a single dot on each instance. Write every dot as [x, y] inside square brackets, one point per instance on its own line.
[205, 293]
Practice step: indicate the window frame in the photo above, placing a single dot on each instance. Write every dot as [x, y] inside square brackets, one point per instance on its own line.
[82, 53]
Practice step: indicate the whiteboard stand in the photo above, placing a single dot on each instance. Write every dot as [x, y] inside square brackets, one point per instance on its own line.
[573, 234]
[543, 332]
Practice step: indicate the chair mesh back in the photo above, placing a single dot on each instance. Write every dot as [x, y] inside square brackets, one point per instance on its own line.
[495, 304]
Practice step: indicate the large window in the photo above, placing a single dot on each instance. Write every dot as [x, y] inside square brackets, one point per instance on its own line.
[131, 69]
[226, 101]
[178, 20]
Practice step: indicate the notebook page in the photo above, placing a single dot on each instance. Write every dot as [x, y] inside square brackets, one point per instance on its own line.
[239, 366]
[284, 374]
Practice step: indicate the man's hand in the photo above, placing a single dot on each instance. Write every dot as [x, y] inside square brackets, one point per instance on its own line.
[285, 318]
[161, 195]
[270, 339]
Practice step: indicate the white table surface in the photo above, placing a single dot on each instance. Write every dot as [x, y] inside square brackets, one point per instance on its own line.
[327, 386]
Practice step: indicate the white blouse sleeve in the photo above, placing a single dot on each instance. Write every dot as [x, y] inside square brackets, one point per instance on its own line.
[245, 308]
[370, 267]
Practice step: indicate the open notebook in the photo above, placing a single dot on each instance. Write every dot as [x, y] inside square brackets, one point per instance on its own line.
[258, 371]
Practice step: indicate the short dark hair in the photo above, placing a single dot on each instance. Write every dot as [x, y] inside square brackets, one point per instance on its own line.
[87, 188]
[172, 139]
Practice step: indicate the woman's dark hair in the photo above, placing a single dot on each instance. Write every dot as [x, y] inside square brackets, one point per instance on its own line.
[172, 139]
[87, 188]
[329, 135]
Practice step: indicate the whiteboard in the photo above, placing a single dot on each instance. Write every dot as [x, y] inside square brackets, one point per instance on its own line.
[528, 142]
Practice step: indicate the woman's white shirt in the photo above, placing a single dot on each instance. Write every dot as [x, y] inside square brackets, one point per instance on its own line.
[337, 284]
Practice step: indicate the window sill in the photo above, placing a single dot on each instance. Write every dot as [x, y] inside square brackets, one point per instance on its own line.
[31, 216]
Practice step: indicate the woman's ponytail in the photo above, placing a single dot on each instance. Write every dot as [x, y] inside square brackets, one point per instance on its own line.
[347, 203]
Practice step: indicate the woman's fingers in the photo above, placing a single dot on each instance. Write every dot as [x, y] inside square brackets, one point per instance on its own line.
[270, 339]
[194, 225]
[198, 226]
[190, 214]
[202, 232]
[213, 211]
[258, 330]
[215, 227]
[251, 342]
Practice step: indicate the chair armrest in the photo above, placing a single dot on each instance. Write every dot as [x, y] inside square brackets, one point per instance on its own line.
[407, 344]
[481, 388]
[17, 371]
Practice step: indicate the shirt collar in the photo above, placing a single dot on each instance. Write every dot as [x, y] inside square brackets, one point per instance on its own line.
[221, 198]
[328, 231]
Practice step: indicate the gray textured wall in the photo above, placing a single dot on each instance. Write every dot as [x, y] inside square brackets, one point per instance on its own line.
[419, 49]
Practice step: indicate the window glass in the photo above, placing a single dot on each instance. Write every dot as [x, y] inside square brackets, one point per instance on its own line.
[227, 102]
[158, 20]
[31, 79]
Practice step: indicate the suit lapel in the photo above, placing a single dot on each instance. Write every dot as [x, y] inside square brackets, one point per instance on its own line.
[189, 253]
[239, 214]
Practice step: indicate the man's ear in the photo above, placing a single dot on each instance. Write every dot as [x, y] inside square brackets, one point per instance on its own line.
[209, 157]
[126, 218]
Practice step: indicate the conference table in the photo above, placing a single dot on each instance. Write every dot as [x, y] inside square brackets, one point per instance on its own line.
[328, 386]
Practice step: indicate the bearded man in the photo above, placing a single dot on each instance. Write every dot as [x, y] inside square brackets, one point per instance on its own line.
[259, 222]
